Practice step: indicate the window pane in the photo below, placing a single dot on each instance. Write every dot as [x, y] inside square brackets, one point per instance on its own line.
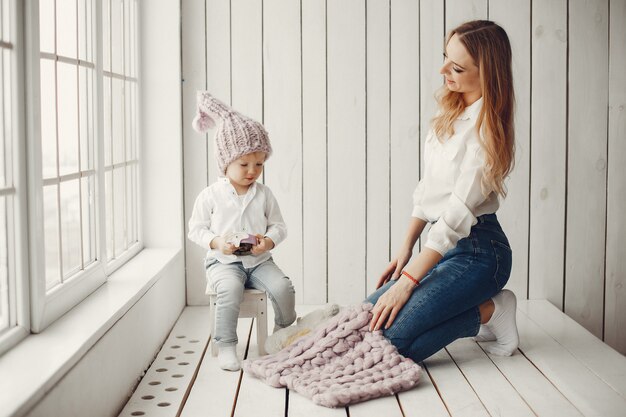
[128, 120]
[46, 26]
[70, 227]
[118, 121]
[130, 212]
[4, 20]
[7, 116]
[133, 39]
[131, 110]
[117, 32]
[86, 118]
[89, 220]
[48, 119]
[106, 35]
[68, 117]
[3, 132]
[4, 268]
[85, 37]
[127, 38]
[108, 192]
[66, 28]
[107, 120]
[119, 217]
[51, 235]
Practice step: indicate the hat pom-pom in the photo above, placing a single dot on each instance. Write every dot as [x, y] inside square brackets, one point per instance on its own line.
[202, 122]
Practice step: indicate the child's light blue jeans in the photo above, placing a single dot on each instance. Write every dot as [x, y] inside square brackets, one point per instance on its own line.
[229, 281]
[444, 307]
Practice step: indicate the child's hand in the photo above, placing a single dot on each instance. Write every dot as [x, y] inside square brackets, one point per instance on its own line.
[264, 244]
[220, 244]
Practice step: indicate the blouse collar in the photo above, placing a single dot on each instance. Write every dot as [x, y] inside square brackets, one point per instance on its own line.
[471, 111]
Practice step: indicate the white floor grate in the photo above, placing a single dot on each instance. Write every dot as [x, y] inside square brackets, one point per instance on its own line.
[164, 387]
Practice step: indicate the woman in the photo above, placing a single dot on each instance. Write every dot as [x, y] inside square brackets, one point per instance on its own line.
[453, 288]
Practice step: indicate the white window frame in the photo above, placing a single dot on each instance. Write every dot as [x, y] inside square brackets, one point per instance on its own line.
[47, 306]
[17, 253]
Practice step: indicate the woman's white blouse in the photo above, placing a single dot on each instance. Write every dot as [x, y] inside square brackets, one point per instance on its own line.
[450, 194]
[218, 210]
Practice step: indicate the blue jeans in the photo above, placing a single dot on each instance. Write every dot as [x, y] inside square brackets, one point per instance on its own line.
[229, 281]
[444, 307]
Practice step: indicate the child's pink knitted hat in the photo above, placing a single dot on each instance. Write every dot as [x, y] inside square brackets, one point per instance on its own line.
[236, 135]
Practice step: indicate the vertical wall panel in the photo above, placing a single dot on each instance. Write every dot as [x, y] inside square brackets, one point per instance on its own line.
[432, 38]
[514, 15]
[194, 146]
[282, 98]
[405, 99]
[314, 267]
[586, 173]
[548, 151]
[346, 151]
[218, 57]
[378, 208]
[459, 11]
[432, 44]
[246, 55]
[615, 313]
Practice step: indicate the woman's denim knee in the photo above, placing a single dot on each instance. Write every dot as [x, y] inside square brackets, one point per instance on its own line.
[398, 339]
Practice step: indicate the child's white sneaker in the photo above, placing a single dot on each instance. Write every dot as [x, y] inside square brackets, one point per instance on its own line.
[227, 358]
[503, 325]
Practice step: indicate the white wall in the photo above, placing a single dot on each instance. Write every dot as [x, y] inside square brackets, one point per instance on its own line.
[160, 146]
[345, 89]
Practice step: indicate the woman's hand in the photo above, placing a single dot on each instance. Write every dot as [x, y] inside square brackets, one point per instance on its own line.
[390, 303]
[263, 245]
[394, 268]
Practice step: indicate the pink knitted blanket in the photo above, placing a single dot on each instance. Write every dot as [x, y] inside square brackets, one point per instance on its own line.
[339, 363]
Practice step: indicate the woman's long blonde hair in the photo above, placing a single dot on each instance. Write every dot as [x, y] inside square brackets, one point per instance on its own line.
[488, 45]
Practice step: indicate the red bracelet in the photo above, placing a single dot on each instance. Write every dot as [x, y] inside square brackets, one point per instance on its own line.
[406, 274]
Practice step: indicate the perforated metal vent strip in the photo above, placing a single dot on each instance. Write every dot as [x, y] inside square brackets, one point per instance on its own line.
[165, 384]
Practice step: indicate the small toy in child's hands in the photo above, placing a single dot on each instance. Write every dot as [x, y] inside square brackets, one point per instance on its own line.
[243, 241]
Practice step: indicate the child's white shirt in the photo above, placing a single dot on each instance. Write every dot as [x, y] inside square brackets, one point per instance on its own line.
[218, 210]
[450, 194]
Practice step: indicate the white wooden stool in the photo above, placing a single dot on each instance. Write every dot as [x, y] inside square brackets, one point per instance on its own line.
[254, 305]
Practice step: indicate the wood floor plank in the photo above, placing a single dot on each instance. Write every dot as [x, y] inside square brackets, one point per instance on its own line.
[255, 397]
[300, 406]
[423, 400]
[495, 392]
[457, 394]
[583, 388]
[384, 406]
[600, 358]
[542, 397]
[214, 390]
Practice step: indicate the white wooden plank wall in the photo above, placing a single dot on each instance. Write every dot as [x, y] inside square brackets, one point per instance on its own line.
[548, 151]
[345, 89]
[378, 113]
[615, 330]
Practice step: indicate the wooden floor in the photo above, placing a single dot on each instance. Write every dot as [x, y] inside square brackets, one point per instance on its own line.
[560, 369]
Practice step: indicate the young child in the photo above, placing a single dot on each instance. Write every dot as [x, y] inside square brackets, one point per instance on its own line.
[236, 203]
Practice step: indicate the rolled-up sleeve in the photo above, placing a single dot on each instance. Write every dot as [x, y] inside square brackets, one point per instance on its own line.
[200, 221]
[457, 220]
[276, 227]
